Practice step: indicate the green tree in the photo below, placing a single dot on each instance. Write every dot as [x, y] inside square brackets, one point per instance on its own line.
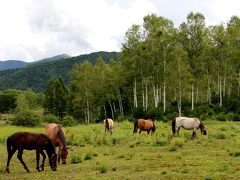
[56, 97]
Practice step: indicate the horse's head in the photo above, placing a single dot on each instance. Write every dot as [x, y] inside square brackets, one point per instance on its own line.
[203, 130]
[53, 162]
[64, 153]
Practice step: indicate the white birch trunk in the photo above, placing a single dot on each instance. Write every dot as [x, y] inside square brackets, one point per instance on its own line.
[164, 97]
[146, 98]
[209, 90]
[135, 93]
[220, 92]
[239, 82]
[111, 107]
[88, 112]
[192, 97]
[224, 82]
[155, 96]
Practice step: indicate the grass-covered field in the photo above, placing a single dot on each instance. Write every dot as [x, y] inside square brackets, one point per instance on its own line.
[96, 155]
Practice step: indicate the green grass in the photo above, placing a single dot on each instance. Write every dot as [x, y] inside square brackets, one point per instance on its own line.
[94, 154]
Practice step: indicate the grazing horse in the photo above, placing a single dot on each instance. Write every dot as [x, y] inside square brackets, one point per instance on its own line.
[108, 125]
[56, 133]
[189, 124]
[30, 141]
[144, 125]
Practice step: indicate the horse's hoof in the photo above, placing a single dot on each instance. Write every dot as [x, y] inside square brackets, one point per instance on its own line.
[7, 170]
[28, 171]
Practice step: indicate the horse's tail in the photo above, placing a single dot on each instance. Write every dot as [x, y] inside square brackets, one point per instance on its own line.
[9, 144]
[135, 126]
[154, 127]
[174, 126]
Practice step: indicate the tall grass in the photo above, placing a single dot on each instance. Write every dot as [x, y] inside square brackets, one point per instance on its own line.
[120, 155]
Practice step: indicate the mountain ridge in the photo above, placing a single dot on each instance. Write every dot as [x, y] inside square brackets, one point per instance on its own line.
[36, 75]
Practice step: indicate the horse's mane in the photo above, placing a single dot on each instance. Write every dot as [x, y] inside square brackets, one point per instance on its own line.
[61, 135]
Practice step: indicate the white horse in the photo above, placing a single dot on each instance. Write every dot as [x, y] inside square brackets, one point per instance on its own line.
[189, 124]
[108, 125]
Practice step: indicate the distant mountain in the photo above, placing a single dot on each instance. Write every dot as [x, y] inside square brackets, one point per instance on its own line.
[54, 58]
[37, 75]
[12, 64]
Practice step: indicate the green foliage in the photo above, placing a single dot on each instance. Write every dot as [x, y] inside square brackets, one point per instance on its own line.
[68, 121]
[76, 159]
[102, 168]
[50, 118]
[27, 119]
[88, 156]
[8, 100]
[221, 117]
[56, 96]
[36, 75]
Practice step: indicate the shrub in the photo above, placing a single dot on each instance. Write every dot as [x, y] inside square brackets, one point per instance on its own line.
[75, 159]
[102, 168]
[69, 121]
[27, 119]
[236, 117]
[50, 118]
[88, 156]
[221, 117]
[154, 113]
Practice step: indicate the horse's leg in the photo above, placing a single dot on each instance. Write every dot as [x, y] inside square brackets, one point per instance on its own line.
[194, 133]
[20, 152]
[178, 131]
[59, 153]
[44, 157]
[10, 154]
[38, 157]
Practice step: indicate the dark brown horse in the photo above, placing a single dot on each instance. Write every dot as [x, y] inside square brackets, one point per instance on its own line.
[30, 141]
[144, 125]
[57, 135]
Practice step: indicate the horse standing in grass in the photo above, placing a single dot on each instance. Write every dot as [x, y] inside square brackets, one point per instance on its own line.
[30, 141]
[189, 124]
[108, 125]
[56, 133]
[144, 125]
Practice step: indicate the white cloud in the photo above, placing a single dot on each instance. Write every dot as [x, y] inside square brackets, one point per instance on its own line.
[32, 30]
[38, 29]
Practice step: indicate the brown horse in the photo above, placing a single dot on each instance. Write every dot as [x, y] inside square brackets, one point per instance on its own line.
[56, 133]
[30, 141]
[144, 125]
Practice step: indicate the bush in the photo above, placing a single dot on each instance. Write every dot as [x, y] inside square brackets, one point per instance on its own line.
[221, 117]
[236, 117]
[138, 112]
[102, 168]
[69, 121]
[50, 118]
[27, 119]
[76, 159]
[154, 113]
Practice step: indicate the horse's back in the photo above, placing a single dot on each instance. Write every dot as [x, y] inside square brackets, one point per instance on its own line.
[187, 123]
[111, 123]
[28, 140]
[145, 125]
[52, 131]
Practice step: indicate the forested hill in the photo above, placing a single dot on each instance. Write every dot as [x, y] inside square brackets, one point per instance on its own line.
[36, 75]
[12, 64]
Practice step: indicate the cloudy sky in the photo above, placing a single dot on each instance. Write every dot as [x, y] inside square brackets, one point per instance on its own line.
[35, 29]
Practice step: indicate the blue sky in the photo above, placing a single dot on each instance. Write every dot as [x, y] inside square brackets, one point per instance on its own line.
[32, 30]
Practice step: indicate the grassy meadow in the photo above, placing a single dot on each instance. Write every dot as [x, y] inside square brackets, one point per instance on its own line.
[94, 154]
